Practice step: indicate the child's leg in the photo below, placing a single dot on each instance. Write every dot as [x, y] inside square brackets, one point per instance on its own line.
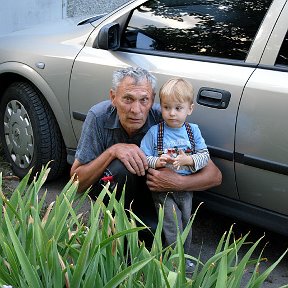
[169, 225]
[184, 202]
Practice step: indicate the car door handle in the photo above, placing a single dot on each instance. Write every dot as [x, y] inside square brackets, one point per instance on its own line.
[212, 97]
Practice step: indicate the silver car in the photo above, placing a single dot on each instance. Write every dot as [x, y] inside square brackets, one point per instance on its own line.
[234, 52]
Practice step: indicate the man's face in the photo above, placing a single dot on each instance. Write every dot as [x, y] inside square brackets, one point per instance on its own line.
[133, 102]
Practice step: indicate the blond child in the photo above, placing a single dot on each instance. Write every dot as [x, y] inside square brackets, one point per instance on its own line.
[179, 145]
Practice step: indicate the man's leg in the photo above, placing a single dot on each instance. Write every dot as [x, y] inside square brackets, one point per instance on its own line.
[120, 176]
[136, 190]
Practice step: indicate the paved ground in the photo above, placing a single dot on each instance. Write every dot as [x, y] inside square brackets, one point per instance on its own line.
[209, 227]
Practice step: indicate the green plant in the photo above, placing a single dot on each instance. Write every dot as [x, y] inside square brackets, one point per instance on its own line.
[59, 249]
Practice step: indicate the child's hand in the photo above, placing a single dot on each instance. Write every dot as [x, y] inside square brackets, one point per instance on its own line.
[163, 160]
[167, 158]
[160, 163]
[182, 159]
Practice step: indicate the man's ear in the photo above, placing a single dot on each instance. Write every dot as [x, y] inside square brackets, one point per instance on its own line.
[112, 96]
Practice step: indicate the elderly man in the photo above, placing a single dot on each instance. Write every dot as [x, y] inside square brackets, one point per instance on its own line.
[110, 140]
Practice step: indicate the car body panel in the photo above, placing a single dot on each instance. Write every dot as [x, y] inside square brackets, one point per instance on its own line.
[57, 53]
[259, 132]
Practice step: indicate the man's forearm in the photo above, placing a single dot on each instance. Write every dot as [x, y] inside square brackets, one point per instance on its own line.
[90, 173]
[208, 177]
[165, 180]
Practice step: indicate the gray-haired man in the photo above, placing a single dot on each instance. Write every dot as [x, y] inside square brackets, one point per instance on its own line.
[110, 140]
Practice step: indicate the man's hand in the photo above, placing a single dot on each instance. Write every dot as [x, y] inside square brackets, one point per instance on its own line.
[165, 180]
[132, 157]
[162, 180]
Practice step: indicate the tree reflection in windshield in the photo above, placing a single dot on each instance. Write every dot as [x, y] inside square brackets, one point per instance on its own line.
[218, 28]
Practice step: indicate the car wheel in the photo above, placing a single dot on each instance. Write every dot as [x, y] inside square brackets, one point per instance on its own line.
[29, 133]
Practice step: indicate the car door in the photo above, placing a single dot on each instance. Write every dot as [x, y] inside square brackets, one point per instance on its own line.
[261, 132]
[205, 42]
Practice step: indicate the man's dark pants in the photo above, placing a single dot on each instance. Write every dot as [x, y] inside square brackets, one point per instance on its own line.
[136, 190]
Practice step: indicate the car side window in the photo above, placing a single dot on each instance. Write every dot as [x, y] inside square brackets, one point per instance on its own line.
[282, 58]
[217, 28]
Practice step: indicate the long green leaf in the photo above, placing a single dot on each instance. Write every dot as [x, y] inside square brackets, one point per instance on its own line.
[29, 271]
[1, 201]
[222, 272]
[209, 265]
[259, 280]
[120, 277]
[57, 278]
[86, 248]
[157, 242]
[14, 271]
[240, 269]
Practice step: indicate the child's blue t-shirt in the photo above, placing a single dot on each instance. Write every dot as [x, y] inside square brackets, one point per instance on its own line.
[173, 137]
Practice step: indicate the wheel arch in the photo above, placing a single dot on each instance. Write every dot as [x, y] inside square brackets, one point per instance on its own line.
[13, 72]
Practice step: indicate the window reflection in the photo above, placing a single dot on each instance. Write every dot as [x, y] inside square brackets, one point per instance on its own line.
[282, 58]
[211, 28]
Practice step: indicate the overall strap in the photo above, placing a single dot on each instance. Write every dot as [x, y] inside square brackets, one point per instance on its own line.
[160, 137]
[190, 136]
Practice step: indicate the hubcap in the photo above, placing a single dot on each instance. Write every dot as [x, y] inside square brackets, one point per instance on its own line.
[18, 134]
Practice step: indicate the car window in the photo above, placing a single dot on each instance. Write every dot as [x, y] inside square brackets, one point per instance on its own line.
[217, 28]
[282, 58]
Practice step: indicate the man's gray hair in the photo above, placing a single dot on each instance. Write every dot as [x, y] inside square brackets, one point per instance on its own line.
[137, 73]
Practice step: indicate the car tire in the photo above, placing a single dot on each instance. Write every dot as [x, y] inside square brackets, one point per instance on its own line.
[29, 133]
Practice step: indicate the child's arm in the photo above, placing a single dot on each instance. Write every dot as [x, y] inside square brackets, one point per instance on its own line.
[152, 161]
[200, 158]
[195, 162]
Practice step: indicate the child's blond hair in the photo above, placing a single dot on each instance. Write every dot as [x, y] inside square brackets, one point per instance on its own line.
[177, 89]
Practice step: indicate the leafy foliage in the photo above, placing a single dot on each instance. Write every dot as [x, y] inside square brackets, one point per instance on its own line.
[58, 248]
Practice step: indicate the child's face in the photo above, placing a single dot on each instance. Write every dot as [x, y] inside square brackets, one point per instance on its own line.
[174, 113]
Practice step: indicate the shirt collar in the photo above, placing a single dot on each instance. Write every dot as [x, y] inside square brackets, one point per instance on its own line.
[113, 121]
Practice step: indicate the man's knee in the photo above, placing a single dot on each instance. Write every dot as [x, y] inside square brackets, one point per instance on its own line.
[120, 173]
